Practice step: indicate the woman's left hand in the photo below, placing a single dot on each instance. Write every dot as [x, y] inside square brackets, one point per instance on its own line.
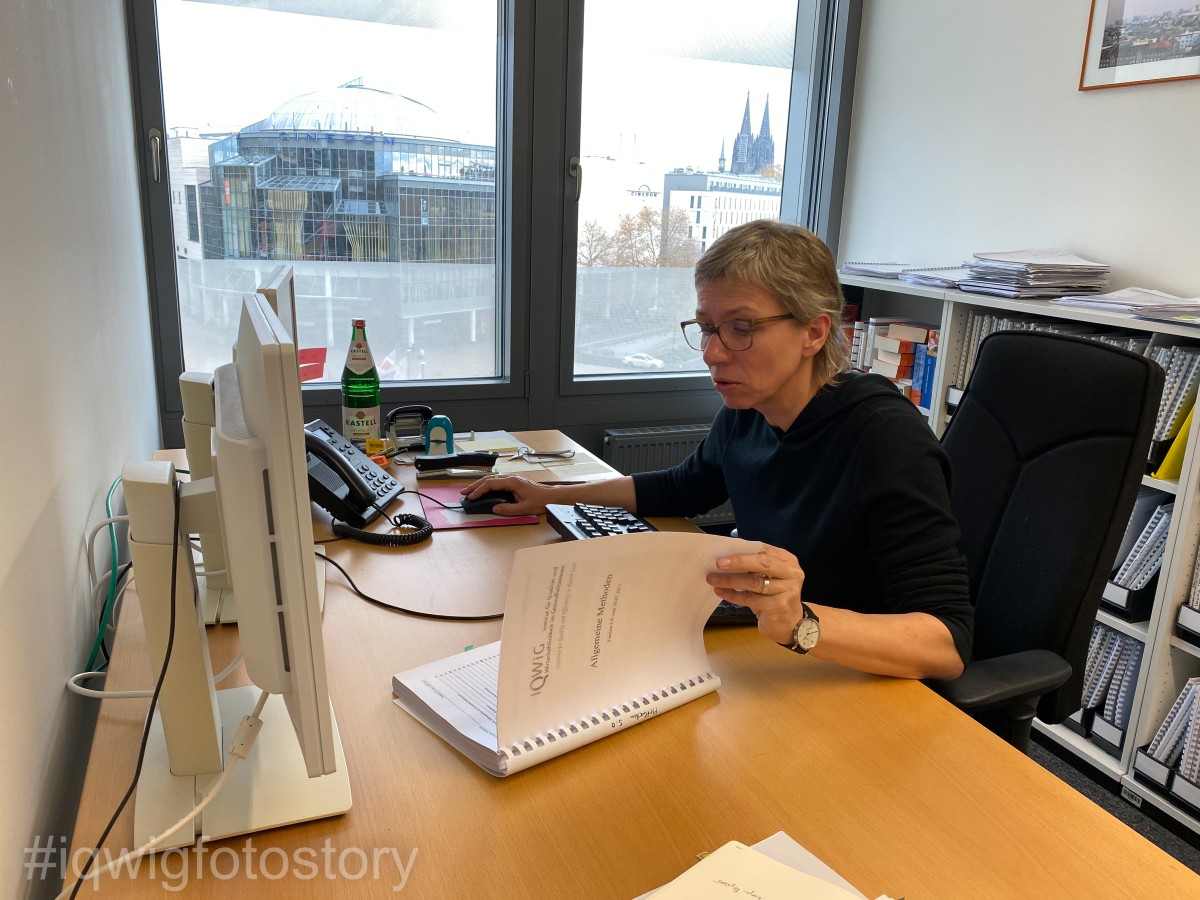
[769, 582]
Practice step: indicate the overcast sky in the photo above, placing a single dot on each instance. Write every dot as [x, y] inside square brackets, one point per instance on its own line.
[664, 82]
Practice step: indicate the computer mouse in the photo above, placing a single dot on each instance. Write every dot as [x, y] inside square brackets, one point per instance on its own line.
[485, 502]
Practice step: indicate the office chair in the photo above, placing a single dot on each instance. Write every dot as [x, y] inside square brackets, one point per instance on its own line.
[1047, 449]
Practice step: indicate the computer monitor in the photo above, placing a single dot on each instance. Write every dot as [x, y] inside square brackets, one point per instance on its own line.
[259, 499]
[280, 291]
[217, 597]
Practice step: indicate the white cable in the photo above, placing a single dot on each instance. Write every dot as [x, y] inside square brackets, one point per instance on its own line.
[100, 594]
[91, 543]
[74, 685]
[243, 741]
[228, 670]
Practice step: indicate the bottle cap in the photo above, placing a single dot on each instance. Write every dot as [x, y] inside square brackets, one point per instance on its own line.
[360, 323]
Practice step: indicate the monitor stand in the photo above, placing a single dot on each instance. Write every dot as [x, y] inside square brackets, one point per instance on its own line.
[194, 723]
[268, 789]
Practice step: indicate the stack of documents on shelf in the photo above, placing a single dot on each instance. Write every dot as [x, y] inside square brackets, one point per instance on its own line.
[1033, 273]
[1182, 368]
[1124, 300]
[936, 276]
[1166, 749]
[1144, 542]
[874, 269]
[1189, 612]
[1109, 680]
[981, 323]
[1185, 312]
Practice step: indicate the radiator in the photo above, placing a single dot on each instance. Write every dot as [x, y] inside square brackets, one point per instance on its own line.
[630, 450]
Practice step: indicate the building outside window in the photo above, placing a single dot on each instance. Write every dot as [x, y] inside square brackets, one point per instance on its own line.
[400, 171]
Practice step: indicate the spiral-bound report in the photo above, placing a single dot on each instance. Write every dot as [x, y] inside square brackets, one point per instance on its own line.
[598, 636]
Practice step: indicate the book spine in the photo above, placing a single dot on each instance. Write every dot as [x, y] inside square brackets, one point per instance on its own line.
[588, 728]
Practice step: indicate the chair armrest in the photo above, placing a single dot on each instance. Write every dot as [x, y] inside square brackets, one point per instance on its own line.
[990, 683]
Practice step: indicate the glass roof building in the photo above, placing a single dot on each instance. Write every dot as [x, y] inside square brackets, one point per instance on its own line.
[350, 174]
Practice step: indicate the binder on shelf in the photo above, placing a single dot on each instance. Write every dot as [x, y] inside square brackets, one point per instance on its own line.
[1188, 624]
[1148, 769]
[1107, 736]
[1105, 663]
[1166, 747]
[1186, 785]
[1171, 466]
[1080, 722]
[1188, 792]
[1109, 727]
[1129, 604]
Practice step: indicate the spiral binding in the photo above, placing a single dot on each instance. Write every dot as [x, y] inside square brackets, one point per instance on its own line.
[552, 736]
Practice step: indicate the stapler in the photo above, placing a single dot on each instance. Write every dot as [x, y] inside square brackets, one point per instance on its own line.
[478, 460]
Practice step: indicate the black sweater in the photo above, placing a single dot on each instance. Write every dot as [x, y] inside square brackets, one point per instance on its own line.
[858, 489]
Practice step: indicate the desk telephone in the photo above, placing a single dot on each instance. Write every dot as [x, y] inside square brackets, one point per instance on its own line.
[343, 479]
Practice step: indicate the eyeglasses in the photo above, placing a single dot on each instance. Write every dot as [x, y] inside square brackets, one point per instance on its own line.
[736, 334]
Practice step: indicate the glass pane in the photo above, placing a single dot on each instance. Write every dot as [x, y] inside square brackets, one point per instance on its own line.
[356, 143]
[685, 106]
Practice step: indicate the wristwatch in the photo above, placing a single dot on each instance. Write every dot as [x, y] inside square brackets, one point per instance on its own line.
[806, 633]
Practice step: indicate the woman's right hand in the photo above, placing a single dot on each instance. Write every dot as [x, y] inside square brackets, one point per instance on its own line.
[531, 497]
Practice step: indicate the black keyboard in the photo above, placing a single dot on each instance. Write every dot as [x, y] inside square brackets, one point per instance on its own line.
[584, 520]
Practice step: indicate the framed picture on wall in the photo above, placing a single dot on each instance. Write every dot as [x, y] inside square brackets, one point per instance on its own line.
[1140, 41]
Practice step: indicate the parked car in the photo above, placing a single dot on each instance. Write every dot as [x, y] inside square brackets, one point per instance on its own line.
[643, 361]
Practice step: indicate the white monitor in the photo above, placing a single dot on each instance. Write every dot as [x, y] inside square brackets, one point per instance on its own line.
[262, 497]
[217, 597]
[259, 499]
[280, 291]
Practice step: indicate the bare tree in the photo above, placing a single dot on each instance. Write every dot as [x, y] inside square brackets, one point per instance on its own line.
[642, 241]
[595, 246]
[678, 250]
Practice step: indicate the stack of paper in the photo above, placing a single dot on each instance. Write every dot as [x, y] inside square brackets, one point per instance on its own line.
[1033, 273]
[876, 270]
[936, 276]
[1125, 300]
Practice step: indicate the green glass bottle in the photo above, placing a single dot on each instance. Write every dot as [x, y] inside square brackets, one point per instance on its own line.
[360, 388]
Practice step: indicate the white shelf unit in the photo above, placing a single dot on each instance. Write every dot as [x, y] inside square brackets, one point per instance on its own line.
[1167, 661]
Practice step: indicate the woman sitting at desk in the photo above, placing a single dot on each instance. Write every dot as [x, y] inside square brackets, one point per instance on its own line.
[834, 471]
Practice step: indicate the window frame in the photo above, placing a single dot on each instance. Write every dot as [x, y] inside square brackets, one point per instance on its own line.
[538, 131]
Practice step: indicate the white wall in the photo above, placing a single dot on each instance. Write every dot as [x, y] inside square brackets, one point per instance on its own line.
[970, 134]
[77, 391]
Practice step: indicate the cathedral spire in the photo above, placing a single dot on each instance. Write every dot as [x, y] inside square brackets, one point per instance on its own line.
[766, 123]
[743, 145]
[721, 163]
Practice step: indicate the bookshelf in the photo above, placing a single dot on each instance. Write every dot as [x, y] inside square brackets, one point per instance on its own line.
[1167, 660]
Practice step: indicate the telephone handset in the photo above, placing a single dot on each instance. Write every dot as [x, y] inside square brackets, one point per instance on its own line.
[343, 479]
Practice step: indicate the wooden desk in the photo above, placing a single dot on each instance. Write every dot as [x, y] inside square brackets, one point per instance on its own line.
[880, 778]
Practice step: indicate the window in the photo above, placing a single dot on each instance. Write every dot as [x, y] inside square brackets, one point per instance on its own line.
[193, 214]
[414, 173]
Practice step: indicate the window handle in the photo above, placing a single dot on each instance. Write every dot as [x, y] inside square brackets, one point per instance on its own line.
[156, 153]
[576, 171]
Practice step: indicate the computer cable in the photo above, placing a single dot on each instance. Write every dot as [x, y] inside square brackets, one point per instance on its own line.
[162, 674]
[106, 614]
[73, 684]
[412, 612]
[243, 742]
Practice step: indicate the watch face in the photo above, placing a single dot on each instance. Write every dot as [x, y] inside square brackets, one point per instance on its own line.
[806, 634]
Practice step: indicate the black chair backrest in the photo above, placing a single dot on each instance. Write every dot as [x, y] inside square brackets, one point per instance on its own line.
[1047, 448]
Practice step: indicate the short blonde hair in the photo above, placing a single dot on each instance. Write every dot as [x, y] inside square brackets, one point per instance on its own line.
[796, 267]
